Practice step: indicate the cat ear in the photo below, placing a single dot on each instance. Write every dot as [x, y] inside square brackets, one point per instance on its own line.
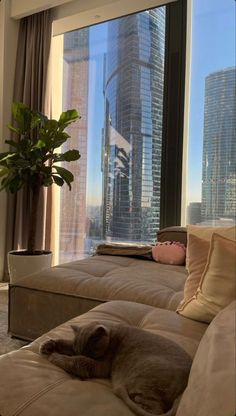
[100, 331]
[75, 328]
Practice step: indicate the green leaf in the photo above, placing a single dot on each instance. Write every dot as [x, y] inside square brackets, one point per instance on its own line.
[40, 144]
[13, 129]
[65, 174]
[58, 180]
[4, 171]
[22, 114]
[11, 143]
[69, 156]
[7, 155]
[35, 120]
[68, 117]
[59, 139]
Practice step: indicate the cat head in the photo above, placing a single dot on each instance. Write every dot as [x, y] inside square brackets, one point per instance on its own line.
[91, 340]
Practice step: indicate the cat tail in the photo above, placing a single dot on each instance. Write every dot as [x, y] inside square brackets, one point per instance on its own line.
[122, 393]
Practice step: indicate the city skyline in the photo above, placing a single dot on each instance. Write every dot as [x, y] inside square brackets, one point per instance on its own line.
[104, 97]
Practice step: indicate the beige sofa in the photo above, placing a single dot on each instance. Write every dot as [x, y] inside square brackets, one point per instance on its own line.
[40, 302]
[32, 386]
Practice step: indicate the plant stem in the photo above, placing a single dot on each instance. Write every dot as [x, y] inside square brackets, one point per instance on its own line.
[33, 216]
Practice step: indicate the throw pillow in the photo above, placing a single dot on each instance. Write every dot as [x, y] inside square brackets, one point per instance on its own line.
[169, 252]
[218, 283]
[206, 233]
[211, 385]
[198, 251]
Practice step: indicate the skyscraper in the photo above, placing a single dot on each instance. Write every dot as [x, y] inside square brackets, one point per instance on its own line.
[219, 147]
[133, 93]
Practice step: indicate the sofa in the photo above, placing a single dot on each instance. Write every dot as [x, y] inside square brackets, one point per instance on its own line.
[30, 385]
[42, 301]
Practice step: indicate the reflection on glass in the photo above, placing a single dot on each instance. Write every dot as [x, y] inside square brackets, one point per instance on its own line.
[114, 74]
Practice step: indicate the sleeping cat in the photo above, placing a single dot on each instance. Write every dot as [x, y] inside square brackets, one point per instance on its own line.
[149, 372]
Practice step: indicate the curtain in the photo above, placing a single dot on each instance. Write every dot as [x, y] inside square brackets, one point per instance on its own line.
[31, 87]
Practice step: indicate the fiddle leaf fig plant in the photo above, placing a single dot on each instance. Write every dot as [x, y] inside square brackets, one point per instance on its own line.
[34, 158]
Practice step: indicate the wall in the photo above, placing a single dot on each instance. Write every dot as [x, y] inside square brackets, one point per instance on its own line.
[79, 13]
[8, 44]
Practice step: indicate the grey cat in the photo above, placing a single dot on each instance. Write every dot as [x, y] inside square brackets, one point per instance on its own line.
[148, 372]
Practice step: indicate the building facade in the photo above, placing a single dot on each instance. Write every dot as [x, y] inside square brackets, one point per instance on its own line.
[133, 94]
[219, 147]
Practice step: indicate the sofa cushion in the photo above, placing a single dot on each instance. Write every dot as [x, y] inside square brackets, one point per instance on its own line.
[212, 382]
[198, 252]
[206, 233]
[40, 388]
[217, 286]
[174, 233]
[41, 301]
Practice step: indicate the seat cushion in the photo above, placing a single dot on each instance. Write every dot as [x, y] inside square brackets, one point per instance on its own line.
[33, 386]
[46, 299]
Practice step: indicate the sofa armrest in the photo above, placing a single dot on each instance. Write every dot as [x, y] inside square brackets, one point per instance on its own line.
[174, 233]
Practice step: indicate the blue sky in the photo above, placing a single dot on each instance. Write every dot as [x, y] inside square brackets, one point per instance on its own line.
[213, 48]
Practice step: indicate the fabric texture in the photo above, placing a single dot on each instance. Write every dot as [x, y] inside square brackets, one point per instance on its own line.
[41, 388]
[57, 294]
[174, 233]
[206, 233]
[198, 252]
[217, 287]
[30, 87]
[169, 252]
[211, 388]
[125, 249]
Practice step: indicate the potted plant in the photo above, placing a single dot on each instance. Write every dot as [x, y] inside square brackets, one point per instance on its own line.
[34, 160]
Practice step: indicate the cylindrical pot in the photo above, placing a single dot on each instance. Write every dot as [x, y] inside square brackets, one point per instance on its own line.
[21, 264]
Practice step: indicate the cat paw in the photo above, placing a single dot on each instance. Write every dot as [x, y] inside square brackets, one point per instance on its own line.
[48, 347]
[56, 359]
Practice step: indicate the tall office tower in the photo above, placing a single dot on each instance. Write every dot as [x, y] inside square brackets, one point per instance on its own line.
[194, 213]
[75, 95]
[219, 147]
[133, 93]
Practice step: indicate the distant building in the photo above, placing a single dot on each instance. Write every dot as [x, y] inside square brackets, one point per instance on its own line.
[133, 93]
[194, 213]
[219, 147]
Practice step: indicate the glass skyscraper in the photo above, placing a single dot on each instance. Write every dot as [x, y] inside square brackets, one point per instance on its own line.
[133, 93]
[219, 147]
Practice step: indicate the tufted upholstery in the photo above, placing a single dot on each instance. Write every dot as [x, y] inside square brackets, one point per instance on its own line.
[44, 300]
[32, 386]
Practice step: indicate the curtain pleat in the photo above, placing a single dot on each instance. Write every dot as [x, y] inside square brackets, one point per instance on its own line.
[30, 87]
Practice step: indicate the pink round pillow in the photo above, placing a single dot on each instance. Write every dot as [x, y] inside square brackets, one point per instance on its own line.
[169, 252]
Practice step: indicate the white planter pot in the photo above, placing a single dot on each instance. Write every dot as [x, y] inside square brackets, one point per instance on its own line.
[21, 265]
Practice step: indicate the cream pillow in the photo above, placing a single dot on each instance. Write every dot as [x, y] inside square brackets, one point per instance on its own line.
[217, 287]
[198, 252]
[205, 233]
[211, 384]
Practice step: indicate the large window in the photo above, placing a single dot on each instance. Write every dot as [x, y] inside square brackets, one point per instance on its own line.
[212, 140]
[114, 74]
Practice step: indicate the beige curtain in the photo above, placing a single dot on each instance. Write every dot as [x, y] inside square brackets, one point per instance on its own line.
[31, 87]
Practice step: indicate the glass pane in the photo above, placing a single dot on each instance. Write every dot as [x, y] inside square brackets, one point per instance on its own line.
[114, 74]
[212, 141]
